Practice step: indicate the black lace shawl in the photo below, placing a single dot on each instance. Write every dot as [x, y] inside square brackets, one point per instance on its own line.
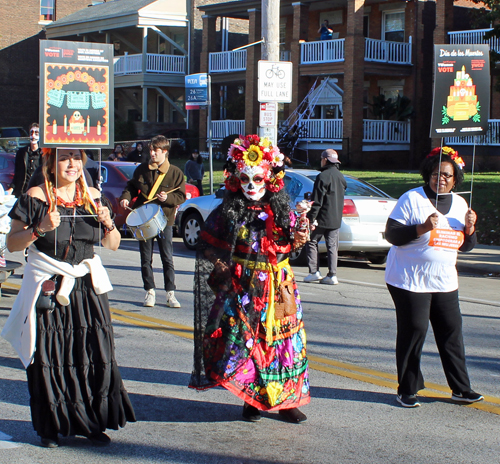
[221, 240]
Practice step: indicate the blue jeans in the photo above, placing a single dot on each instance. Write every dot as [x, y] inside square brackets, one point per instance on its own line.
[166, 247]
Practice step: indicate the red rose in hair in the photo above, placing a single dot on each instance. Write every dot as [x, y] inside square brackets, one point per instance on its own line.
[253, 139]
[232, 183]
[275, 186]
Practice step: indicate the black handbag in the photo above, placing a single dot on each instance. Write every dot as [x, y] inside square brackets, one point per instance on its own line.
[47, 299]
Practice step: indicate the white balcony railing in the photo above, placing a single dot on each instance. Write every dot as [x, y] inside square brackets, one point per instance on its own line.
[375, 130]
[324, 51]
[227, 61]
[321, 129]
[174, 64]
[155, 63]
[388, 52]
[221, 129]
[330, 51]
[128, 64]
[492, 137]
[474, 37]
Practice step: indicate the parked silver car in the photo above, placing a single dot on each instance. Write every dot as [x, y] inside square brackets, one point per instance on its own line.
[366, 209]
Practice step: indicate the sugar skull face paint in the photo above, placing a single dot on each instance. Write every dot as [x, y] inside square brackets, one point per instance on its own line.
[253, 182]
[34, 135]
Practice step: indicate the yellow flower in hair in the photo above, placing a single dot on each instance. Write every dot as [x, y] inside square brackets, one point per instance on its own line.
[280, 175]
[253, 156]
[265, 142]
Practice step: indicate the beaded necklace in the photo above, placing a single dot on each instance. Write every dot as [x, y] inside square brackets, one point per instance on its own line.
[77, 201]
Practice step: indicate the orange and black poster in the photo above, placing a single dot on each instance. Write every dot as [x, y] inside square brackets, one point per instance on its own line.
[76, 94]
[461, 90]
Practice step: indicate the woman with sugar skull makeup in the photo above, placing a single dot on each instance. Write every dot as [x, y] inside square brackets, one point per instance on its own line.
[246, 338]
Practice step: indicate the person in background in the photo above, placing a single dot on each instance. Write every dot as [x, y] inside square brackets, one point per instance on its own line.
[325, 217]
[249, 329]
[427, 228]
[137, 155]
[118, 153]
[27, 161]
[165, 184]
[195, 171]
[325, 31]
[60, 323]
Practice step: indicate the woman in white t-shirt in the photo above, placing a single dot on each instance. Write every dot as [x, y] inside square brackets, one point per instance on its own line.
[427, 228]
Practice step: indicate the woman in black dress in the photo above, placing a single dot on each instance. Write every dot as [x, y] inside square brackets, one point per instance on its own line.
[73, 379]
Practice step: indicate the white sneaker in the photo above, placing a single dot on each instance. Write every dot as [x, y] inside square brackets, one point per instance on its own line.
[313, 277]
[150, 298]
[172, 300]
[329, 280]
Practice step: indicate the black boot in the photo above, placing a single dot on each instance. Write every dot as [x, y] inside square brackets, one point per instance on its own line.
[251, 413]
[100, 439]
[293, 415]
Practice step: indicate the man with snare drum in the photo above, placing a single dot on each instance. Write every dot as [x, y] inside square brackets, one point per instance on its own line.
[157, 182]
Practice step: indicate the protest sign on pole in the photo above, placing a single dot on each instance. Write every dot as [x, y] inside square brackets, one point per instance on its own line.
[461, 90]
[76, 94]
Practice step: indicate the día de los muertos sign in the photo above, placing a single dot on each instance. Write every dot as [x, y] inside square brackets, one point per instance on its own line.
[76, 94]
[461, 90]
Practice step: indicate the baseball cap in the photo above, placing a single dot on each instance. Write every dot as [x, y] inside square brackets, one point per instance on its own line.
[331, 155]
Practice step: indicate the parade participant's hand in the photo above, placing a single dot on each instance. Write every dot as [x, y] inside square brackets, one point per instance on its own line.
[300, 238]
[9, 191]
[162, 196]
[104, 217]
[124, 203]
[470, 221]
[51, 221]
[430, 223]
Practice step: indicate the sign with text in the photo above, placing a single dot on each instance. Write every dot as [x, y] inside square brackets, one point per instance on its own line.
[76, 94]
[196, 91]
[461, 90]
[268, 114]
[275, 81]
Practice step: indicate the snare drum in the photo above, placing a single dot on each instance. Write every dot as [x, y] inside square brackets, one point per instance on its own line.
[146, 222]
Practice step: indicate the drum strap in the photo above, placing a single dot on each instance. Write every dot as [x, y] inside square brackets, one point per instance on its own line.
[156, 186]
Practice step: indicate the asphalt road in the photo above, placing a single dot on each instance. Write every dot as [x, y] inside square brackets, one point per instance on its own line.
[352, 418]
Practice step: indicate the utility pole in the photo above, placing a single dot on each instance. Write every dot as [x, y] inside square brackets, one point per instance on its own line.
[271, 30]
[271, 46]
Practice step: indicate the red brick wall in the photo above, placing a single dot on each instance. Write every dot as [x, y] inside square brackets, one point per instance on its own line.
[19, 44]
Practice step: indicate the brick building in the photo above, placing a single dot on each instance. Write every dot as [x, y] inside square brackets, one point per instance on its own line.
[21, 27]
[379, 50]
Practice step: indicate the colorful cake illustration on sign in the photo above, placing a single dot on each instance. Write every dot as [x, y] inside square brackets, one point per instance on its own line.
[462, 102]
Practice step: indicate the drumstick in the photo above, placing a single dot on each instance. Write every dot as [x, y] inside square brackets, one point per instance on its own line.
[170, 191]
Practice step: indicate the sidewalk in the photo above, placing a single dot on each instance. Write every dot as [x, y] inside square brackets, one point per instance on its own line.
[483, 259]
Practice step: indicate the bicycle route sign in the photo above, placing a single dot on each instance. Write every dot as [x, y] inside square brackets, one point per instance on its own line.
[274, 81]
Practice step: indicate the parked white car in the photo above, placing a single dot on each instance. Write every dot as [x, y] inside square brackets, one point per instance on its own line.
[366, 209]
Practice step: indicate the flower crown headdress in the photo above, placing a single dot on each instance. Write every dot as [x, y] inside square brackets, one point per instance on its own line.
[453, 154]
[252, 151]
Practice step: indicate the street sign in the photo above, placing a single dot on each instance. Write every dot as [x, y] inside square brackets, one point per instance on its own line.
[275, 81]
[196, 91]
[268, 112]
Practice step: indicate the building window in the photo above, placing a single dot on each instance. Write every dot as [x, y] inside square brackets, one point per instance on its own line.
[47, 10]
[394, 26]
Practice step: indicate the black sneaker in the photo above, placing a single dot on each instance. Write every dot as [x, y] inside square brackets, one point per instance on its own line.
[467, 397]
[408, 401]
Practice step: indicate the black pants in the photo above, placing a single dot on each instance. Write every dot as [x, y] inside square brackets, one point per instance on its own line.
[165, 245]
[413, 312]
